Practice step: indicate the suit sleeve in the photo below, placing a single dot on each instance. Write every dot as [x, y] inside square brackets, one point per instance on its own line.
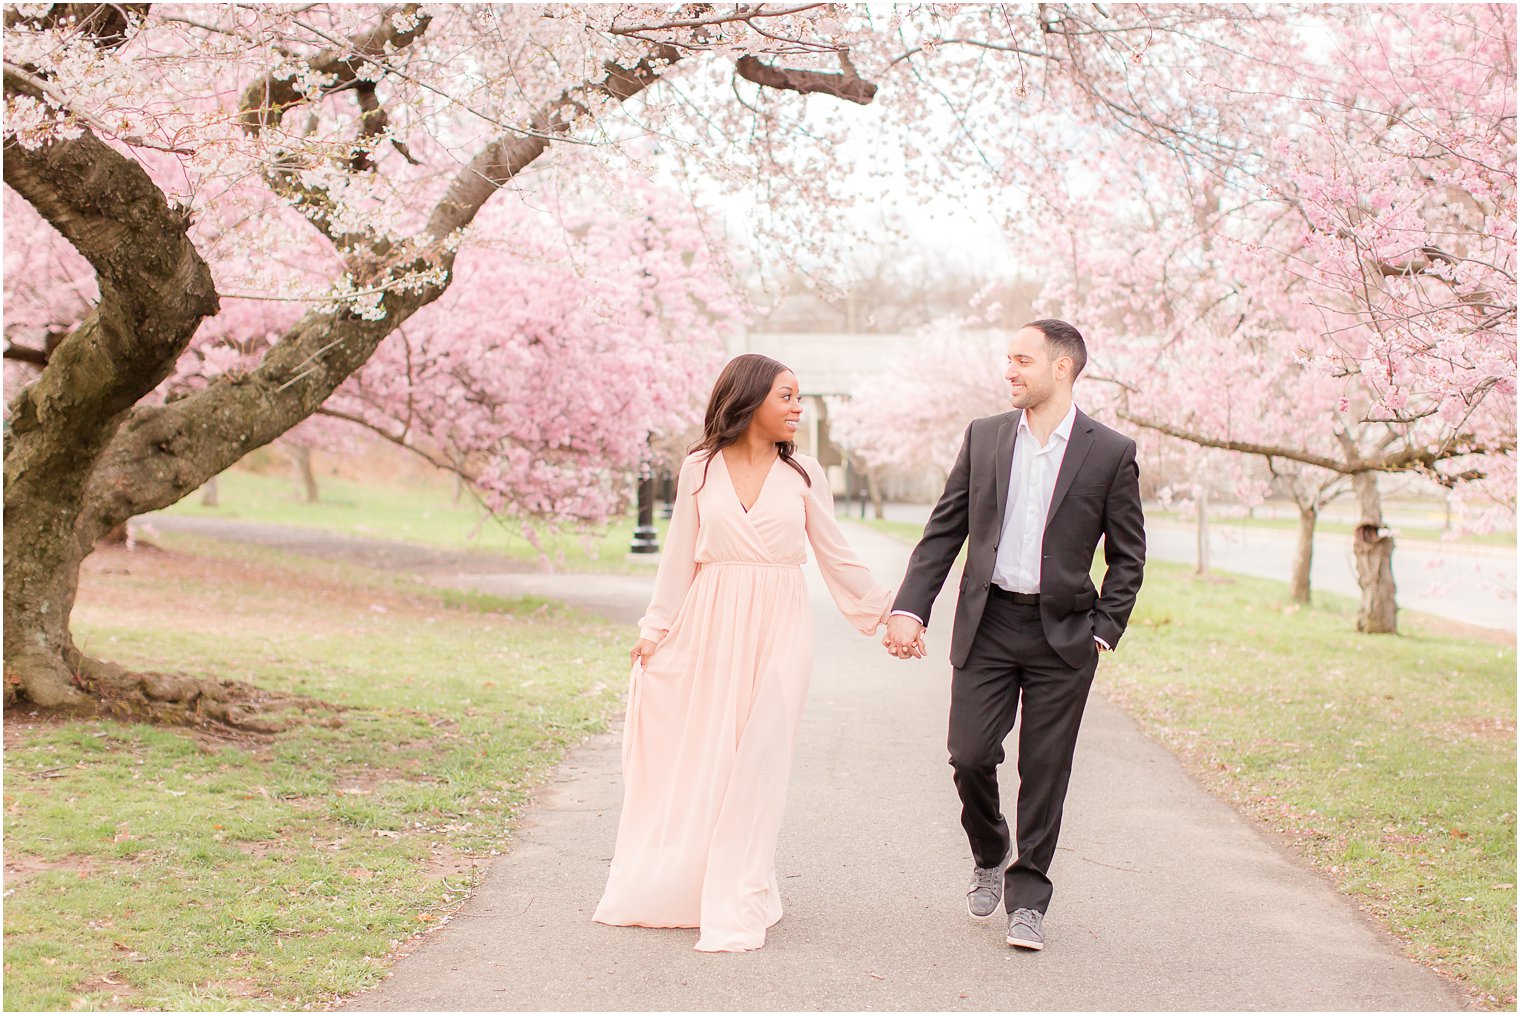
[944, 535]
[1123, 551]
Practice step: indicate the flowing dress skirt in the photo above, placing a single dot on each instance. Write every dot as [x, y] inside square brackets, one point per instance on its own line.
[707, 752]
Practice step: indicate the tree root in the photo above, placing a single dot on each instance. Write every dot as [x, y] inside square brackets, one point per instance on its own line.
[106, 689]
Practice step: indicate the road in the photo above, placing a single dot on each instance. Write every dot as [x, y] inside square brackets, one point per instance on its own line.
[1470, 584]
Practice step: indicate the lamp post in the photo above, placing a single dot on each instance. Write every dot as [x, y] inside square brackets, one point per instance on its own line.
[645, 539]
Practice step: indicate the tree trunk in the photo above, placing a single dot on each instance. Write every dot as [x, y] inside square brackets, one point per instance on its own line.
[1373, 547]
[1304, 558]
[209, 494]
[154, 291]
[1202, 502]
[300, 455]
[873, 490]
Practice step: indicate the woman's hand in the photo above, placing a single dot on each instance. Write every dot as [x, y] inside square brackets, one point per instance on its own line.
[642, 650]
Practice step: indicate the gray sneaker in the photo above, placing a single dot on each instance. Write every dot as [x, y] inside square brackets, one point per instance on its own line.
[1026, 929]
[986, 890]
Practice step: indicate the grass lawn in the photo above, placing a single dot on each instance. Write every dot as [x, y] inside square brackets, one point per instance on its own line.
[163, 869]
[1388, 761]
[421, 512]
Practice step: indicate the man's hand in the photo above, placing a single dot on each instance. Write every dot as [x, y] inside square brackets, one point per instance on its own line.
[904, 638]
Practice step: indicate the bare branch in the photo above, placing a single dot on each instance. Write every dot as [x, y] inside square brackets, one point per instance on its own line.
[25, 354]
[1408, 460]
[848, 86]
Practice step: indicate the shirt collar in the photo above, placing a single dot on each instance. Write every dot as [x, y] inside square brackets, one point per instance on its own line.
[1063, 428]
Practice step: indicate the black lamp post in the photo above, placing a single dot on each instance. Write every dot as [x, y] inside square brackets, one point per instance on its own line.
[645, 539]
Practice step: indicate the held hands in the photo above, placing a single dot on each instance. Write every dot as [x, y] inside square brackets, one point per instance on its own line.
[904, 638]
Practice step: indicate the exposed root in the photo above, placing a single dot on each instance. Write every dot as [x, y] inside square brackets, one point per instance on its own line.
[102, 688]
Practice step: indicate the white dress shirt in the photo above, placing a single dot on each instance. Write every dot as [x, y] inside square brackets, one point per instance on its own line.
[1031, 484]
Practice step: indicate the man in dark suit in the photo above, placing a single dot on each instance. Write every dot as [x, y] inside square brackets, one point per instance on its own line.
[1032, 490]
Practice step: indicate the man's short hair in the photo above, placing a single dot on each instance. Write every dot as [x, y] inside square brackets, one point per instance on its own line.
[1064, 340]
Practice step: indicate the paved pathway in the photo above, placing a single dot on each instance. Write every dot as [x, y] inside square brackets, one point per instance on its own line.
[1165, 897]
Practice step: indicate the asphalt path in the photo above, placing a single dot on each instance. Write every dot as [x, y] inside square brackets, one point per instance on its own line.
[1165, 899]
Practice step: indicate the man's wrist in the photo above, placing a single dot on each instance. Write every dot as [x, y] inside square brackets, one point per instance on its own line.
[909, 614]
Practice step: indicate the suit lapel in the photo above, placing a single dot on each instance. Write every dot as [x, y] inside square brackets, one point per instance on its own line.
[1076, 453]
[1007, 431]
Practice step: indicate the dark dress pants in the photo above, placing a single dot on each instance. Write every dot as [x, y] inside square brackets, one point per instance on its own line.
[1011, 664]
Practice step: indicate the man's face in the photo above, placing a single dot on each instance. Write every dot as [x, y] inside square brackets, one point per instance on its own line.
[1031, 372]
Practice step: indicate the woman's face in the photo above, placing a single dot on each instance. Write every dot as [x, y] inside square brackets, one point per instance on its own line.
[780, 414]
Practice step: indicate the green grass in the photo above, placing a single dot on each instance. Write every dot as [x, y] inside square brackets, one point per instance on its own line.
[1389, 761]
[185, 873]
[422, 512]
[908, 532]
[1429, 534]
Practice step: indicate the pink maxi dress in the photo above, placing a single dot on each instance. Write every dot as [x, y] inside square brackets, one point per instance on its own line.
[707, 747]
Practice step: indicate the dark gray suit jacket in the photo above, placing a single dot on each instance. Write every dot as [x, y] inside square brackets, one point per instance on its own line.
[1097, 493]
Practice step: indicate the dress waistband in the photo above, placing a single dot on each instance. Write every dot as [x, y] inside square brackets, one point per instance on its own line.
[748, 563]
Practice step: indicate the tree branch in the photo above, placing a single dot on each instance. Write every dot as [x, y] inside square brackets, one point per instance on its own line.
[25, 354]
[398, 439]
[154, 291]
[1408, 460]
[105, 24]
[506, 156]
[264, 103]
[848, 85]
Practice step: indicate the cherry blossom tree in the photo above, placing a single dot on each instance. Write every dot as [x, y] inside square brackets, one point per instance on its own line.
[339, 157]
[908, 418]
[1335, 293]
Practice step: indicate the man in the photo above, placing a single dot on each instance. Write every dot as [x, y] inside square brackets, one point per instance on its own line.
[1032, 490]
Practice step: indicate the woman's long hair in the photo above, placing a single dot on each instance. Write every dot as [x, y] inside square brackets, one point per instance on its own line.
[742, 387]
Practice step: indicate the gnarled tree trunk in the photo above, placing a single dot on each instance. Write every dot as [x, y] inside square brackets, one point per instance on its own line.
[155, 289]
[1373, 546]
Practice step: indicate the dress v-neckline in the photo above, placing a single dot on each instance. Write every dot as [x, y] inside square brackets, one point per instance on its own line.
[735, 486]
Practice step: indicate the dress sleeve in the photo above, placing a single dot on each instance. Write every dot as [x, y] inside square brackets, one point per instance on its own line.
[864, 603]
[678, 561]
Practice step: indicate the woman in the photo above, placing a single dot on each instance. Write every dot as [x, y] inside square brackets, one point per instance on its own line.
[722, 667]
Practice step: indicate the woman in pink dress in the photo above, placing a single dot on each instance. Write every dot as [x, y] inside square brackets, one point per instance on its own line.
[722, 667]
